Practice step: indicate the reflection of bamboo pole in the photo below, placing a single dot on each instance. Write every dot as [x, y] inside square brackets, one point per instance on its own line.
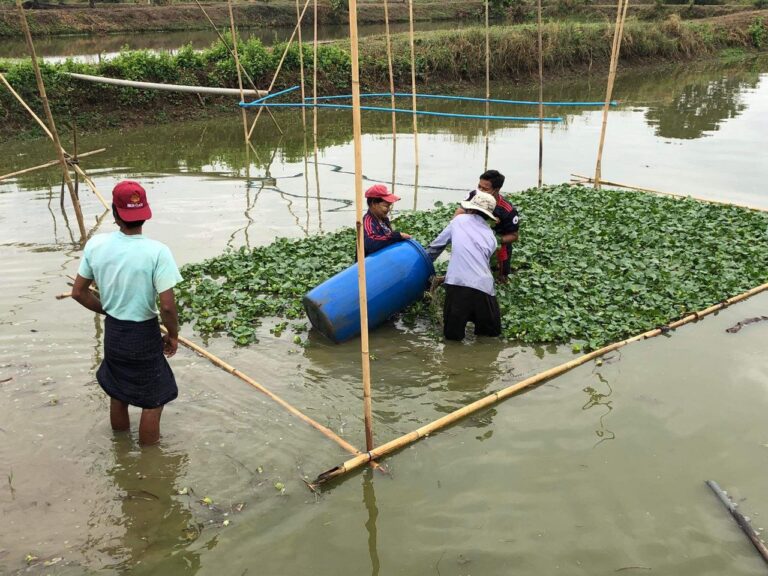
[51, 123]
[279, 66]
[491, 399]
[47, 165]
[487, 82]
[391, 70]
[361, 283]
[588, 180]
[541, 97]
[621, 15]
[48, 133]
[237, 66]
[413, 106]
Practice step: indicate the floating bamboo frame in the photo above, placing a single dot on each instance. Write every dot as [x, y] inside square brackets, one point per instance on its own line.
[361, 283]
[47, 165]
[491, 399]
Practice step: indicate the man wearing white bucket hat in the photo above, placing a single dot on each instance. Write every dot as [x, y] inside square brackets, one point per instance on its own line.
[469, 292]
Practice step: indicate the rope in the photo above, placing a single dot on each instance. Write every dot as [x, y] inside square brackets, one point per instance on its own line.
[467, 99]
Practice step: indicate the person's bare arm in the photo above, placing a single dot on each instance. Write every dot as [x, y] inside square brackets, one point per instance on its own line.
[170, 319]
[86, 297]
[511, 237]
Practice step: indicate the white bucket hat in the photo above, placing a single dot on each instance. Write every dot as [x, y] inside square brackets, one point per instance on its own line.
[482, 202]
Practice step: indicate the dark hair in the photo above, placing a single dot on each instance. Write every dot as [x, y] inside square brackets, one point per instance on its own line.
[129, 225]
[495, 177]
[372, 201]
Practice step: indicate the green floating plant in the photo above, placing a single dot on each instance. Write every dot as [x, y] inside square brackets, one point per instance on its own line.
[591, 267]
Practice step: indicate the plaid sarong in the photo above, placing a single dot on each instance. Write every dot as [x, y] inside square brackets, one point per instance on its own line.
[134, 369]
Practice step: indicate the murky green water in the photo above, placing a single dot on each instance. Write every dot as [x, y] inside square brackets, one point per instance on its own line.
[94, 48]
[598, 471]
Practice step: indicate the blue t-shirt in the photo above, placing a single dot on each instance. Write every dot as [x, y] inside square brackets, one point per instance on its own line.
[130, 272]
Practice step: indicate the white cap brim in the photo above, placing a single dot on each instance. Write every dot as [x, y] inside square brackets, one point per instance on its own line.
[469, 205]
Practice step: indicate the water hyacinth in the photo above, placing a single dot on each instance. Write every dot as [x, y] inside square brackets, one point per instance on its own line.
[591, 267]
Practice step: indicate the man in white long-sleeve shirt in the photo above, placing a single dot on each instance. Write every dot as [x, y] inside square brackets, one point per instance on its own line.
[470, 294]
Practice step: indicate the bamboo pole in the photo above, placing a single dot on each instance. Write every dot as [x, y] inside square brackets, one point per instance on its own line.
[621, 14]
[487, 82]
[391, 70]
[413, 105]
[237, 66]
[218, 362]
[361, 283]
[491, 399]
[541, 94]
[301, 67]
[51, 123]
[279, 66]
[47, 165]
[314, 120]
[741, 520]
[48, 133]
[588, 180]
[241, 67]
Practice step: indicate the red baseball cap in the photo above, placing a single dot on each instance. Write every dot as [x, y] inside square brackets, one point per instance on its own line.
[381, 191]
[130, 200]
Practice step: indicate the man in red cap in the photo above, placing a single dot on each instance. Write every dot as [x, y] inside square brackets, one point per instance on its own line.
[376, 225]
[131, 271]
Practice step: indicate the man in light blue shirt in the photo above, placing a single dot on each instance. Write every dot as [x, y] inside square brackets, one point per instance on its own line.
[469, 292]
[132, 272]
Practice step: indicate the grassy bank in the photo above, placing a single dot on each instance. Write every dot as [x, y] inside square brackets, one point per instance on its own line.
[114, 18]
[442, 57]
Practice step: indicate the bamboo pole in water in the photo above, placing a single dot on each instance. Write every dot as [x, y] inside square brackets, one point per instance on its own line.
[301, 68]
[47, 165]
[314, 119]
[391, 71]
[218, 362]
[413, 106]
[361, 283]
[487, 127]
[48, 133]
[541, 94]
[491, 399]
[741, 520]
[279, 66]
[51, 124]
[237, 66]
[621, 14]
[587, 180]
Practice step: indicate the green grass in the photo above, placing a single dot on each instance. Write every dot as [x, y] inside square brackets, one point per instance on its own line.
[591, 267]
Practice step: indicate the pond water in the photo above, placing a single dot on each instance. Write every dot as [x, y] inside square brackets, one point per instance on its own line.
[598, 471]
[95, 48]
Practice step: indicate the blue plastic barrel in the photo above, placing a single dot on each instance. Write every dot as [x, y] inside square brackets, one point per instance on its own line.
[396, 276]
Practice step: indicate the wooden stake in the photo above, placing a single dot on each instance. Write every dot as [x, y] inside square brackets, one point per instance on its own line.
[361, 283]
[314, 121]
[391, 70]
[301, 68]
[487, 128]
[237, 65]
[413, 106]
[47, 165]
[51, 123]
[491, 399]
[541, 96]
[621, 13]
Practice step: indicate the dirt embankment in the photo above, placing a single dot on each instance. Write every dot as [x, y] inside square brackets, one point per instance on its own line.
[106, 19]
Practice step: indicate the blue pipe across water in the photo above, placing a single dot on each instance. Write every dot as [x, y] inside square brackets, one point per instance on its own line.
[462, 98]
[261, 102]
